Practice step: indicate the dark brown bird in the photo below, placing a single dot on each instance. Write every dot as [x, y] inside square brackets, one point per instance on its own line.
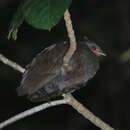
[44, 78]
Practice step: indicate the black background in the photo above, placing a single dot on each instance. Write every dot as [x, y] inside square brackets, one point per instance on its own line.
[107, 95]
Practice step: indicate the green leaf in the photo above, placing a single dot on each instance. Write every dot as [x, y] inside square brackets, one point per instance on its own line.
[44, 14]
[41, 14]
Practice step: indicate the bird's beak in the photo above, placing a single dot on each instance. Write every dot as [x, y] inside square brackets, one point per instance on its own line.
[99, 52]
[102, 54]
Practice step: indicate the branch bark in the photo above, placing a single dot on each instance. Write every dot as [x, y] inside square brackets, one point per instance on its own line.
[12, 64]
[73, 102]
[31, 112]
[72, 38]
[87, 114]
[68, 99]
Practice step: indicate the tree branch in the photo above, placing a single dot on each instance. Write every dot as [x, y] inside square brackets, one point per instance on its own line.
[12, 64]
[72, 38]
[31, 112]
[86, 113]
[73, 102]
[68, 99]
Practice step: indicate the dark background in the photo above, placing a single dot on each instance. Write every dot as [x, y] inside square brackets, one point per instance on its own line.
[107, 95]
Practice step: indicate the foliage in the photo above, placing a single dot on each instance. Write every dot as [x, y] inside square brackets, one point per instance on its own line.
[41, 14]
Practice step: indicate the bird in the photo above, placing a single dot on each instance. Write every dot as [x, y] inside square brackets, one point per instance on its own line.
[44, 80]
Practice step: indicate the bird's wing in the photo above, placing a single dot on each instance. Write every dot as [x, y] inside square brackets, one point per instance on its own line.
[44, 67]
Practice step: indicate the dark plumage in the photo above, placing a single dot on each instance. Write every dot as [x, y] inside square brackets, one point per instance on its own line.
[44, 79]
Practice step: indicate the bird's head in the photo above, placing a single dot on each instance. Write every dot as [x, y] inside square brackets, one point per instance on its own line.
[94, 48]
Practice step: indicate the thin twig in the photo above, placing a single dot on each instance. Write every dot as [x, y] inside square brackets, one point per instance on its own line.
[73, 102]
[11, 64]
[87, 114]
[72, 38]
[31, 112]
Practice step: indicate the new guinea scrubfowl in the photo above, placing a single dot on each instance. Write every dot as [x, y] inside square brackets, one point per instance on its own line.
[44, 79]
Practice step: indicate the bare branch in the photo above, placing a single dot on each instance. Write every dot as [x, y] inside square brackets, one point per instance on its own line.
[11, 64]
[31, 112]
[87, 114]
[71, 35]
[73, 102]
[68, 99]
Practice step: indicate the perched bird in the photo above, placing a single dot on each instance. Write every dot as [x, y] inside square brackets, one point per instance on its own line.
[44, 79]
